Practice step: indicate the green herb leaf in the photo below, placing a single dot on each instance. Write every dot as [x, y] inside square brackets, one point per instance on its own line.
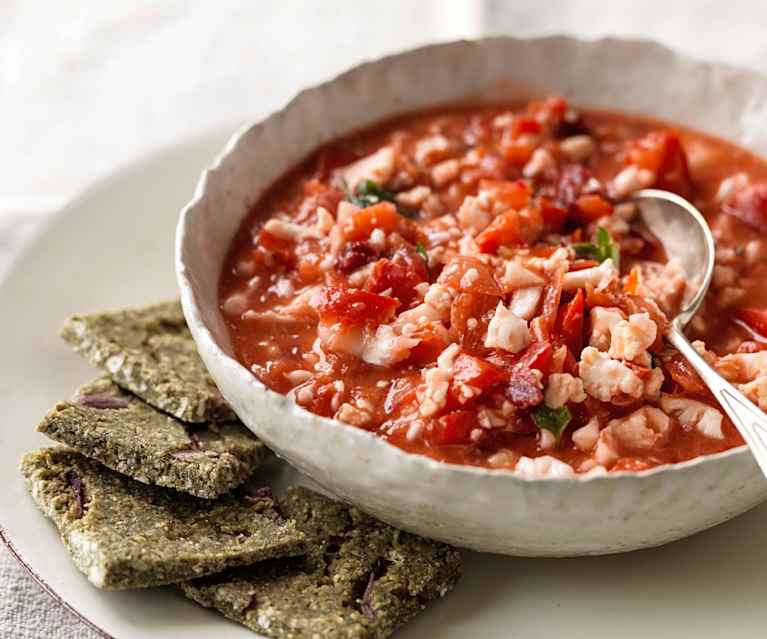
[604, 248]
[421, 250]
[555, 420]
[608, 246]
[369, 192]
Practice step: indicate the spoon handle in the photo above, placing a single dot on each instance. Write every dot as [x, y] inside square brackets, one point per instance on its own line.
[748, 419]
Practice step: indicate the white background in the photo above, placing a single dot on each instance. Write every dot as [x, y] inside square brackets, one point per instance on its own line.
[86, 87]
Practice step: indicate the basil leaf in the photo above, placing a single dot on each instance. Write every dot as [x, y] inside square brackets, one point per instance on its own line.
[608, 246]
[587, 251]
[421, 250]
[554, 420]
[369, 192]
[604, 248]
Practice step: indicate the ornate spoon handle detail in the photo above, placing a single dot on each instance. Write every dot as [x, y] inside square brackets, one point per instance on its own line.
[748, 419]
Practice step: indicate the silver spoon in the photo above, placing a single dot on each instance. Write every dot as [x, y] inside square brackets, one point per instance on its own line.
[685, 235]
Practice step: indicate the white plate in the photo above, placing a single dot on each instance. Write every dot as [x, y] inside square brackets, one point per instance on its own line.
[114, 247]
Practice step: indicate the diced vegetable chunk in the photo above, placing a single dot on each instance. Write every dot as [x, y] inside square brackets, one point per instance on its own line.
[662, 153]
[353, 306]
[749, 205]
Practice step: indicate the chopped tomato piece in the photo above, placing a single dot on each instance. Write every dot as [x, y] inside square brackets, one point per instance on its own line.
[400, 277]
[469, 274]
[493, 167]
[317, 194]
[553, 216]
[433, 342]
[536, 356]
[284, 250]
[470, 314]
[749, 204]
[551, 301]
[522, 387]
[453, 428]
[518, 152]
[354, 255]
[570, 323]
[474, 371]
[523, 124]
[353, 306]
[570, 365]
[756, 319]
[382, 216]
[514, 195]
[510, 228]
[592, 207]
[504, 230]
[682, 372]
[662, 153]
[413, 260]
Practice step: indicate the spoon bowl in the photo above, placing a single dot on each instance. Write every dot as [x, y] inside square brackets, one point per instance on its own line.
[686, 238]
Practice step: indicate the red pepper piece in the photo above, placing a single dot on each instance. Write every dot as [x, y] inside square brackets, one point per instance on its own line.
[662, 153]
[474, 371]
[570, 323]
[480, 281]
[400, 276]
[353, 306]
[453, 428]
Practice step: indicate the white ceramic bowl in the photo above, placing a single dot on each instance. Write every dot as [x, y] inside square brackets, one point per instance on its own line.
[487, 510]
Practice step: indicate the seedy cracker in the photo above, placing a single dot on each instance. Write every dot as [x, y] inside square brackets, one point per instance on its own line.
[150, 352]
[125, 534]
[124, 433]
[361, 578]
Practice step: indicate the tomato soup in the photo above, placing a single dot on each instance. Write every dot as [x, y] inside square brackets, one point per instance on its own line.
[473, 284]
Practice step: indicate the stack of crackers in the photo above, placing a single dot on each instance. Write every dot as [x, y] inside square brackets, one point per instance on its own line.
[156, 482]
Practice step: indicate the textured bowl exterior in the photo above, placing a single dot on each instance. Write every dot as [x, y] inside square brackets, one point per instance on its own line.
[486, 510]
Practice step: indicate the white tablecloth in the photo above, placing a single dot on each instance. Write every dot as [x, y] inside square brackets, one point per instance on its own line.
[89, 86]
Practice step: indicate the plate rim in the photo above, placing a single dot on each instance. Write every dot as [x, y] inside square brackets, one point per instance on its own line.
[48, 589]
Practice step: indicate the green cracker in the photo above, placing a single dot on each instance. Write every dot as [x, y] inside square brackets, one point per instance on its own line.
[124, 534]
[361, 578]
[150, 352]
[124, 433]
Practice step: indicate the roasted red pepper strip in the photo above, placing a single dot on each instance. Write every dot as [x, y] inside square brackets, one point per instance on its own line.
[476, 372]
[453, 428]
[570, 323]
[353, 306]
